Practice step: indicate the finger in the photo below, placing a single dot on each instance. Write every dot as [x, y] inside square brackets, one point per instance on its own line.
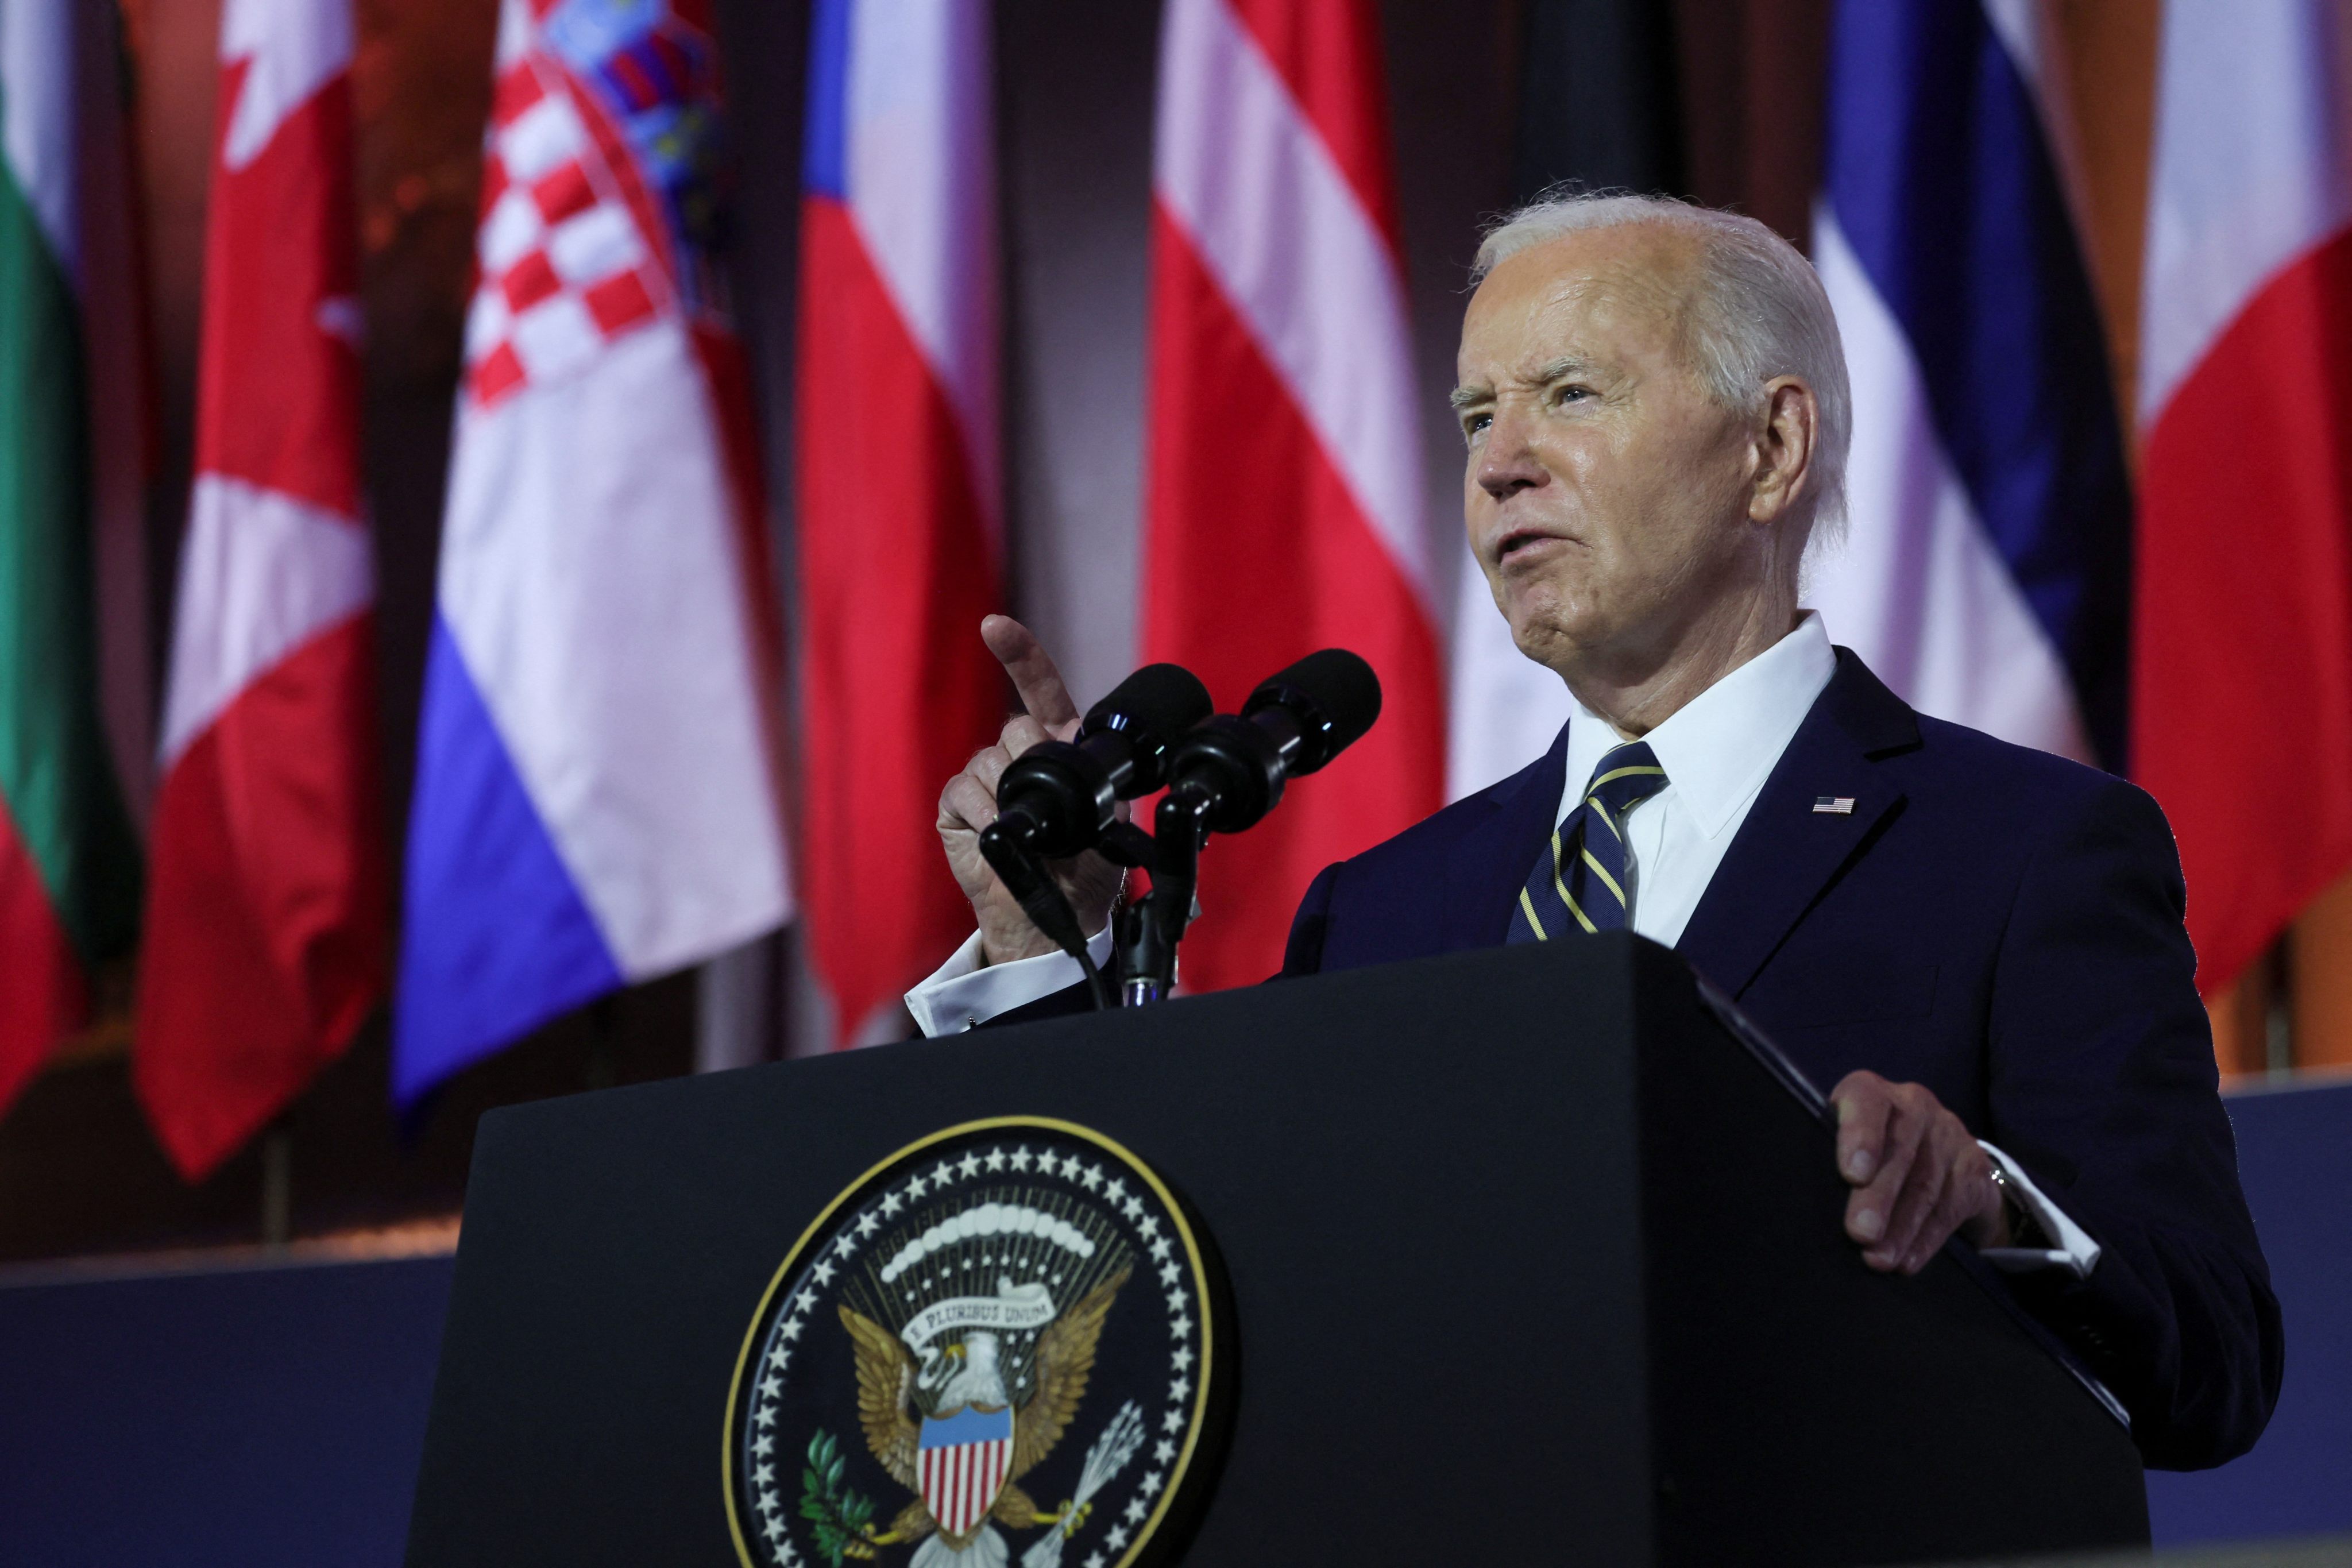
[966, 803]
[1962, 1184]
[1868, 1212]
[1923, 1190]
[1020, 732]
[987, 766]
[1863, 1104]
[1035, 675]
[1941, 1223]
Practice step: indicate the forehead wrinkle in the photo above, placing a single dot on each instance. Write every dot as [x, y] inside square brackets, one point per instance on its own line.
[1641, 269]
[1640, 283]
[1560, 368]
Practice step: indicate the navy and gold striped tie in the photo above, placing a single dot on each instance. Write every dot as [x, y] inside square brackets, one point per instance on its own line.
[1578, 882]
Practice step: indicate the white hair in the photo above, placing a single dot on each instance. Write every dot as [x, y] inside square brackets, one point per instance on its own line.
[1758, 312]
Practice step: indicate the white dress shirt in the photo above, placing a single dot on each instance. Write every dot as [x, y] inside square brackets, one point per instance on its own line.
[1717, 750]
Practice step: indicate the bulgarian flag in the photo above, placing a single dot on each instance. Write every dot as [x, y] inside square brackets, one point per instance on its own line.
[69, 855]
[268, 928]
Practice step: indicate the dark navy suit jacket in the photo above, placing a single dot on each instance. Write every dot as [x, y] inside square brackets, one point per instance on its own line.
[1997, 923]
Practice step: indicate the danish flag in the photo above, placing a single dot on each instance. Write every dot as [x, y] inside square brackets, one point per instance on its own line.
[1283, 508]
[268, 917]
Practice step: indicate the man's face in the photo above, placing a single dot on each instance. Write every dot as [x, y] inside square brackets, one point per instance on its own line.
[1606, 493]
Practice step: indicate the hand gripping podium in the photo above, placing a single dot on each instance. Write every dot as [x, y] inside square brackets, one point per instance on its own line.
[1530, 1255]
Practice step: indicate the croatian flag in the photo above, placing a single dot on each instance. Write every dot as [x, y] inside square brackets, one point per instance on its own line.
[2241, 700]
[897, 521]
[596, 798]
[1987, 572]
[1284, 503]
[268, 917]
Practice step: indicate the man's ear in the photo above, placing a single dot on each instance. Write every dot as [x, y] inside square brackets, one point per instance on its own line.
[1784, 448]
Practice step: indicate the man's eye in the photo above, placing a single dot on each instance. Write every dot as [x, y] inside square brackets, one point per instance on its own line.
[1477, 424]
[1571, 393]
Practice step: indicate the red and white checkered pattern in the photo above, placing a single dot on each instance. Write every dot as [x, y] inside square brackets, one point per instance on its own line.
[565, 269]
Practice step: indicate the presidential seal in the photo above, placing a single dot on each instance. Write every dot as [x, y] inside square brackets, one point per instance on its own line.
[1003, 1340]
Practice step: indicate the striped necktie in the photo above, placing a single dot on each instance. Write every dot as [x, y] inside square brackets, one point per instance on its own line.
[1579, 882]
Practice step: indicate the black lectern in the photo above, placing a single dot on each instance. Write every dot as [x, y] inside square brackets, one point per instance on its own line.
[1530, 1256]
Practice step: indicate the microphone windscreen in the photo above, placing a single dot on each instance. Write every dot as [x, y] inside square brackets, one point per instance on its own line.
[1334, 690]
[1162, 700]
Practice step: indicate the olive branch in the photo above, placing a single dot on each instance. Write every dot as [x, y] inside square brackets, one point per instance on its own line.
[839, 1515]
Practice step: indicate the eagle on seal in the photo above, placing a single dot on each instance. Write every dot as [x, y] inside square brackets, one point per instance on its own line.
[887, 1380]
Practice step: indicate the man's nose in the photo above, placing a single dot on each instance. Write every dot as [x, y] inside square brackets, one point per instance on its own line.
[1507, 463]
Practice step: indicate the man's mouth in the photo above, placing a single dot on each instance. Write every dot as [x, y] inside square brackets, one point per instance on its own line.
[1522, 543]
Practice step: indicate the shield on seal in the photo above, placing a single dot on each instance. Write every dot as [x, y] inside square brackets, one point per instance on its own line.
[961, 1462]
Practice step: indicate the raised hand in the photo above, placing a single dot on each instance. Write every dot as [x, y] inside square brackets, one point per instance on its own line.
[967, 805]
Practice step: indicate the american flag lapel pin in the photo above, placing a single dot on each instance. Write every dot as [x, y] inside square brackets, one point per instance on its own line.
[1834, 806]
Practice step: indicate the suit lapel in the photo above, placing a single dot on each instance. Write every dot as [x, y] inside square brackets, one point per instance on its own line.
[1492, 858]
[1786, 854]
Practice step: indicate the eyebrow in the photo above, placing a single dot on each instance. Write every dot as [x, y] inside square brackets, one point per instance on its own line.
[1566, 365]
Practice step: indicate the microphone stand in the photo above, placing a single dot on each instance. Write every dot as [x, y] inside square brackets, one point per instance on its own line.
[1225, 772]
[1150, 928]
[1145, 932]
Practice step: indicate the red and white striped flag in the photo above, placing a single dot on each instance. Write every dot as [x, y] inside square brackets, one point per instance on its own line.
[1284, 490]
[268, 939]
[2241, 702]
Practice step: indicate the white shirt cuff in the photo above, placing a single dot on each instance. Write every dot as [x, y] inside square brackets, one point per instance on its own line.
[2075, 1252]
[962, 995]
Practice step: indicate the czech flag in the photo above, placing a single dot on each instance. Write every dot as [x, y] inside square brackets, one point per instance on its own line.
[898, 521]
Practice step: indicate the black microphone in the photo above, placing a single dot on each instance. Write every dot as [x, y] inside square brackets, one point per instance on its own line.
[1295, 722]
[1057, 797]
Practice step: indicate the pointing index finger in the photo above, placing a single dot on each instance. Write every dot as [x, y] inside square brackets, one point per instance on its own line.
[1033, 671]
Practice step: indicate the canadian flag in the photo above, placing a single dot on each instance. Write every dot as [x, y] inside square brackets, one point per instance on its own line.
[2242, 702]
[267, 937]
[1283, 508]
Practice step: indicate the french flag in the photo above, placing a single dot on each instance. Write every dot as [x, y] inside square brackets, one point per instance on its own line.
[2241, 696]
[268, 920]
[1283, 500]
[898, 521]
[1987, 574]
[597, 799]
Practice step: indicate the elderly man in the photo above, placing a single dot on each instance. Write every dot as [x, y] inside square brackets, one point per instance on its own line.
[1974, 940]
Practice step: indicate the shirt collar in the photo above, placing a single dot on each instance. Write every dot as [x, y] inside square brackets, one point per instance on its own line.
[1718, 748]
